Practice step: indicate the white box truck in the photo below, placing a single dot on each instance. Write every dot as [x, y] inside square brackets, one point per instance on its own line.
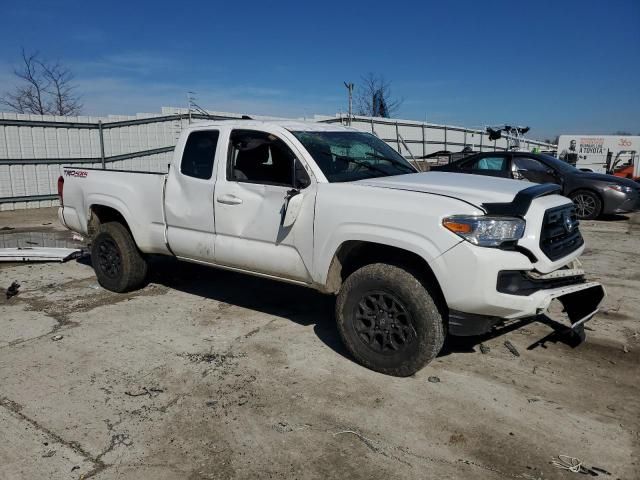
[615, 154]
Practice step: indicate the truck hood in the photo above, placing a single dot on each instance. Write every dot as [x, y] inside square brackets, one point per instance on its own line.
[474, 189]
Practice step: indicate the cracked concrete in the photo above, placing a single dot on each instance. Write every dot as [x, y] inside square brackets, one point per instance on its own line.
[210, 374]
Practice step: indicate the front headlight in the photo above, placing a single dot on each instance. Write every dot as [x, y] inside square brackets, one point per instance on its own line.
[620, 188]
[485, 231]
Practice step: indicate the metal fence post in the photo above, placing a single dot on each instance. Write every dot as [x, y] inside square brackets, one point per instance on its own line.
[398, 139]
[424, 143]
[101, 135]
[445, 138]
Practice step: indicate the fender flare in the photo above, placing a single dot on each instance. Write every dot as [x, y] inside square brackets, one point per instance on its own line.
[99, 199]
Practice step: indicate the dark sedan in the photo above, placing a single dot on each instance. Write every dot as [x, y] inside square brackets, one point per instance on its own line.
[594, 194]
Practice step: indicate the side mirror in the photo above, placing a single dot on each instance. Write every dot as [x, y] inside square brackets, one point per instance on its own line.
[293, 206]
[518, 174]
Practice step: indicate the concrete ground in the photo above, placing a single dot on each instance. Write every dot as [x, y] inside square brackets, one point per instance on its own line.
[210, 374]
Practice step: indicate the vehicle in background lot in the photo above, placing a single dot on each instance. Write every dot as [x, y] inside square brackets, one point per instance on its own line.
[597, 153]
[594, 194]
[624, 165]
[411, 256]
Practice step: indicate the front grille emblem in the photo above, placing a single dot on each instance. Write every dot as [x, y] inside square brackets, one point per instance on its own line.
[568, 222]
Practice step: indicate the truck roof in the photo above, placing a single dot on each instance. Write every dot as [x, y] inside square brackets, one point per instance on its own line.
[292, 125]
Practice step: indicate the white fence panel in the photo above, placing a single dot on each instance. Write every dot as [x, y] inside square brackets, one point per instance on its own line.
[33, 149]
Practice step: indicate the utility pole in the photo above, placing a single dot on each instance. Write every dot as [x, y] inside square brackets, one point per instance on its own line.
[350, 88]
[189, 104]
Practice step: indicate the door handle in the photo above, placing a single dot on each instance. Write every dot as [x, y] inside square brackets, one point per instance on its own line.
[229, 199]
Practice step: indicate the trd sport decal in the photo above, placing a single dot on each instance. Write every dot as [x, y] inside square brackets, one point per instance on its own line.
[76, 173]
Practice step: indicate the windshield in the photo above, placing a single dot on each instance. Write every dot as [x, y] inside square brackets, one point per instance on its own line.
[348, 156]
[559, 164]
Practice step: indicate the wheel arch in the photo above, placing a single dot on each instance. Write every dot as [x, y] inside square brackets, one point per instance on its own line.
[592, 191]
[101, 212]
[354, 254]
[586, 189]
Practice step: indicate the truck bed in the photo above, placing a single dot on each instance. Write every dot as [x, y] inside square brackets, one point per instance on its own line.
[138, 196]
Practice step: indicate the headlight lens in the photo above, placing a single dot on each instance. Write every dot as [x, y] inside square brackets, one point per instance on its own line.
[621, 188]
[485, 231]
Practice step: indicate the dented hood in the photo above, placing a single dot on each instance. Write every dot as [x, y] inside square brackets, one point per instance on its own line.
[474, 189]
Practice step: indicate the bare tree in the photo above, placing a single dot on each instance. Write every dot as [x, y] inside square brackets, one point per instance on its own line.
[29, 96]
[374, 98]
[64, 100]
[44, 89]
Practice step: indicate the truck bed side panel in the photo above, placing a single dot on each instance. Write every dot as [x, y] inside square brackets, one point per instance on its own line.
[136, 196]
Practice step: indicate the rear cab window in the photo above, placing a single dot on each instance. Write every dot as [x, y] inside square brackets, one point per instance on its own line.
[199, 154]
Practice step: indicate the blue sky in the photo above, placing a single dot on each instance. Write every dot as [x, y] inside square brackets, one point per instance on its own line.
[558, 66]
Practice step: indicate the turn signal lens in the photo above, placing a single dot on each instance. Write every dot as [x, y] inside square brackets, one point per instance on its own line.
[485, 231]
[457, 227]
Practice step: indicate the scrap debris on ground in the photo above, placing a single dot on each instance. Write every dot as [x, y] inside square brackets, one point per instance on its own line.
[39, 254]
[13, 289]
[511, 347]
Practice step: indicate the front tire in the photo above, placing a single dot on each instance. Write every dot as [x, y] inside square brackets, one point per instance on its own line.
[588, 204]
[119, 265]
[388, 320]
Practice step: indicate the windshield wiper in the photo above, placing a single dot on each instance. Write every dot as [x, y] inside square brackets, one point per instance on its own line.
[395, 162]
[364, 164]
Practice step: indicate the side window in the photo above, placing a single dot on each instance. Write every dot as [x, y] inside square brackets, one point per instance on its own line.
[529, 164]
[199, 153]
[259, 157]
[487, 163]
[534, 170]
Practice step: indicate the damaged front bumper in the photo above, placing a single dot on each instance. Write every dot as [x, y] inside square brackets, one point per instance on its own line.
[581, 302]
[580, 299]
[533, 293]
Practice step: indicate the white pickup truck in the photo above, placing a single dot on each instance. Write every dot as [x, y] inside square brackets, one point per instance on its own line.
[411, 256]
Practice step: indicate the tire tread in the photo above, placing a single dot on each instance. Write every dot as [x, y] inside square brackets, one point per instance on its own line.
[409, 285]
[134, 265]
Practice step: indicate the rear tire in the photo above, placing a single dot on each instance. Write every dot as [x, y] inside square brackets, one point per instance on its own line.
[119, 265]
[588, 204]
[388, 320]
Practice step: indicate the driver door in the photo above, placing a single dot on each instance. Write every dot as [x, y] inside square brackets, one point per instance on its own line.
[254, 193]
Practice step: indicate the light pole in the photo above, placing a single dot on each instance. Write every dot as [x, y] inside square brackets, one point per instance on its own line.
[350, 88]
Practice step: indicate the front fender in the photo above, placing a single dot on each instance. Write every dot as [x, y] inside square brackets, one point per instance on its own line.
[421, 245]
